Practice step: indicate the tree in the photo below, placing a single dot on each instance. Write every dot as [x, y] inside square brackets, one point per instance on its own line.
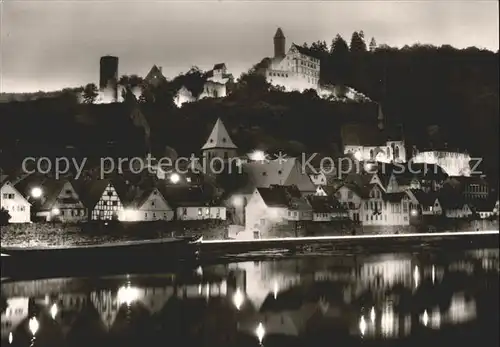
[358, 45]
[373, 44]
[4, 216]
[90, 93]
[339, 61]
[252, 83]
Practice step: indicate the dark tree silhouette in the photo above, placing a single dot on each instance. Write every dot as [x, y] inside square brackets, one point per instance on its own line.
[339, 61]
[4, 216]
[90, 93]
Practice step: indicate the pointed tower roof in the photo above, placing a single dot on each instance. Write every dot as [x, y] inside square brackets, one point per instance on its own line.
[219, 138]
[279, 34]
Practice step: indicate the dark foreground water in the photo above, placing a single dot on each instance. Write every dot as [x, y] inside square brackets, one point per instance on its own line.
[436, 298]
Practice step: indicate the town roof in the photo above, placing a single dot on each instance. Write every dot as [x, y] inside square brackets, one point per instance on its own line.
[394, 197]
[154, 72]
[219, 66]
[219, 138]
[424, 198]
[483, 205]
[93, 190]
[450, 199]
[361, 191]
[52, 189]
[274, 197]
[186, 196]
[278, 172]
[325, 204]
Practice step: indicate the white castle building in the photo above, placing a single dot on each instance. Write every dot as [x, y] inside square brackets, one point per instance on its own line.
[298, 69]
[453, 163]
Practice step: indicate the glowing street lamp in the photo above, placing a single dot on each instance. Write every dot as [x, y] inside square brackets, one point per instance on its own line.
[53, 311]
[237, 201]
[11, 338]
[362, 326]
[238, 299]
[175, 178]
[257, 156]
[414, 212]
[36, 192]
[33, 325]
[260, 332]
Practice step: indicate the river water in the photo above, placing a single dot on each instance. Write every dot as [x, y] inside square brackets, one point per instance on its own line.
[395, 299]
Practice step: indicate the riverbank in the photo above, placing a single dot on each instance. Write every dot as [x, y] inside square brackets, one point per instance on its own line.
[58, 234]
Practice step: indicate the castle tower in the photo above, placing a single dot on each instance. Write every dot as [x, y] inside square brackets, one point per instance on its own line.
[219, 143]
[108, 76]
[279, 44]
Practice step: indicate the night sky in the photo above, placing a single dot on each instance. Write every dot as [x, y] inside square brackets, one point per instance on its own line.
[48, 45]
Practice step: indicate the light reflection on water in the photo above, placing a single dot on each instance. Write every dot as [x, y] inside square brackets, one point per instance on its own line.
[366, 297]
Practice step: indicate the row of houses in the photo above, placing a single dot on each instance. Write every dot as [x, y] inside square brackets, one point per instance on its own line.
[270, 194]
[108, 199]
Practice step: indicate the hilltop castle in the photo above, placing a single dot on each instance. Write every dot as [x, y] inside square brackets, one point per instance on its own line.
[296, 69]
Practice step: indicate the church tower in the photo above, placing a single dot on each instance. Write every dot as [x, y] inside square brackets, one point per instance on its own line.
[219, 143]
[279, 44]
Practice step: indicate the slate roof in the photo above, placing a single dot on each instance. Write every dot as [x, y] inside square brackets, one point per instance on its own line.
[483, 205]
[274, 197]
[140, 196]
[219, 66]
[451, 199]
[305, 51]
[52, 189]
[181, 196]
[91, 191]
[425, 199]
[362, 191]
[325, 204]
[219, 138]
[276, 172]
[393, 197]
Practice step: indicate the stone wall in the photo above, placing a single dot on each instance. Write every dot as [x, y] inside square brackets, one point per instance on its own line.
[58, 234]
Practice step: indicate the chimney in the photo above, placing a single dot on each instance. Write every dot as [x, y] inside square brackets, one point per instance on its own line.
[160, 68]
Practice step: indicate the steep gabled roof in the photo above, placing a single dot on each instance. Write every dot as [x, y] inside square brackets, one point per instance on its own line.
[5, 183]
[483, 205]
[154, 72]
[394, 197]
[362, 191]
[425, 199]
[219, 138]
[450, 199]
[325, 204]
[278, 172]
[92, 191]
[219, 66]
[52, 189]
[183, 196]
[274, 197]
[140, 197]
